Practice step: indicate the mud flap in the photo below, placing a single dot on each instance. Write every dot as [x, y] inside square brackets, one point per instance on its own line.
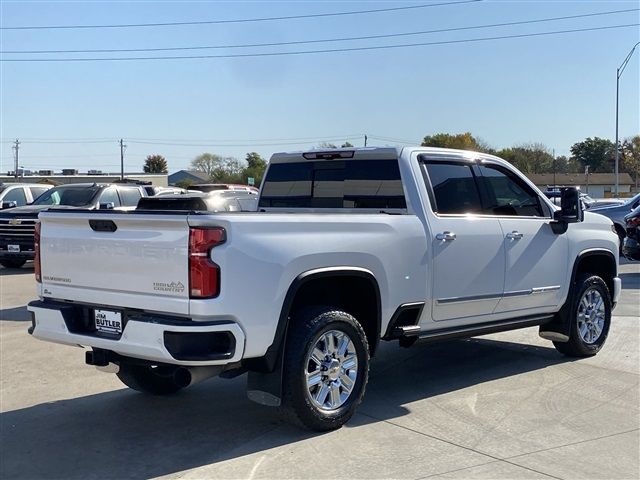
[559, 329]
[265, 388]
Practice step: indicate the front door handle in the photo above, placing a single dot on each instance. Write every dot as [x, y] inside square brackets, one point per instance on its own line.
[446, 236]
[515, 235]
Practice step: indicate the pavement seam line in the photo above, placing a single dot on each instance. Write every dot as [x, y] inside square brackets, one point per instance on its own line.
[573, 443]
[459, 446]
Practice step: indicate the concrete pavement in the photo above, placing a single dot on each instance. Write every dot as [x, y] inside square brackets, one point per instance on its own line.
[499, 406]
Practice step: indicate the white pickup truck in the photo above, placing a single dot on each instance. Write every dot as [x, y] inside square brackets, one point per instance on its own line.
[349, 247]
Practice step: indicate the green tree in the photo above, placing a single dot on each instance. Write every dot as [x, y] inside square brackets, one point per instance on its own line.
[596, 153]
[529, 158]
[207, 163]
[155, 164]
[567, 165]
[229, 170]
[461, 141]
[326, 146]
[256, 166]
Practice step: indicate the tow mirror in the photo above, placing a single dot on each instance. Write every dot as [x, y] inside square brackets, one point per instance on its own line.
[107, 206]
[571, 210]
[10, 204]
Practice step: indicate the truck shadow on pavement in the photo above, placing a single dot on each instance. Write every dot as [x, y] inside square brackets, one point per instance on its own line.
[124, 434]
[14, 271]
[17, 314]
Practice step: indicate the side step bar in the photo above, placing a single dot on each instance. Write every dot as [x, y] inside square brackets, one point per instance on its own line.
[467, 331]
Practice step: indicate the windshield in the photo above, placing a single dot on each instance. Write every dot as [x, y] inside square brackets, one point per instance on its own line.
[633, 199]
[71, 196]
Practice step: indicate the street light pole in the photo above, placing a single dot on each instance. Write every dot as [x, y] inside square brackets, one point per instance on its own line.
[618, 75]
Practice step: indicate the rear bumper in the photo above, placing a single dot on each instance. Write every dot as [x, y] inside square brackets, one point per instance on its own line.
[4, 255]
[152, 339]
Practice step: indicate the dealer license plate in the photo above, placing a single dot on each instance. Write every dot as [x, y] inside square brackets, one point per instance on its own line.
[108, 321]
[13, 248]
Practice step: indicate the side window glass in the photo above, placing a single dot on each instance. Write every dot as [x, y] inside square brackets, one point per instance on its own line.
[130, 197]
[37, 191]
[110, 196]
[508, 195]
[16, 195]
[454, 188]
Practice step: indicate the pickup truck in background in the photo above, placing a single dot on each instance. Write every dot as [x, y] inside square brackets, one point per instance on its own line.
[349, 247]
[17, 225]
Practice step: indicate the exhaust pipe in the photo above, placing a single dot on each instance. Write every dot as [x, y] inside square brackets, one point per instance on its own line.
[187, 376]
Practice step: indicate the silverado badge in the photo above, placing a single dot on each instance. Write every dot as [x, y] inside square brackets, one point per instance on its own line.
[15, 221]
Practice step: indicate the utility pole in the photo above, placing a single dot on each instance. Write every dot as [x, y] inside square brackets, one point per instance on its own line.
[619, 71]
[16, 147]
[554, 168]
[365, 140]
[122, 147]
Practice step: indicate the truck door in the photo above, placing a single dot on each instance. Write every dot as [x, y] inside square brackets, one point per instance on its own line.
[467, 248]
[536, 258]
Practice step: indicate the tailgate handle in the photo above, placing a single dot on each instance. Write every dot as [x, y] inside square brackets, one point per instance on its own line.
[103, 225]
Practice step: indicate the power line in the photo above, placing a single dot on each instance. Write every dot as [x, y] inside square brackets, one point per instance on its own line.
[330, 50]
[240, 20]
[324, 40]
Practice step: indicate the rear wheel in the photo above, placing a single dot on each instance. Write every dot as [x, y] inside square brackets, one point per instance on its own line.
[9, 263]
[590, 318]
[326, 368]
[148, 379]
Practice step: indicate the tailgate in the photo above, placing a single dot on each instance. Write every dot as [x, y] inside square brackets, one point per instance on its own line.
[121, 259]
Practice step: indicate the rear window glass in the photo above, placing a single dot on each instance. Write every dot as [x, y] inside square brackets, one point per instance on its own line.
[129, 196]
[69, 196]
[334, 184]
[454, 188]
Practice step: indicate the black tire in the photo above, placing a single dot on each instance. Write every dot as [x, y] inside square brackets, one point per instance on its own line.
[147, 379]
[305, 330]
[10, 263]
[577, 346]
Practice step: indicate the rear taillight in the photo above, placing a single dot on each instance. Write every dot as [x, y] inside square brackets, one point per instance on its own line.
[36, 259]
[204, 275]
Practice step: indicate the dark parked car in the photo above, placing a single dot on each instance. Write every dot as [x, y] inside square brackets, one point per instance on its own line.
[17, 225]
[631, 245]
[617, 213]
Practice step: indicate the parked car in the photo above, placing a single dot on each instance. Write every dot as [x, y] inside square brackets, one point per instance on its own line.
[587, 201]
[20, 194]
[210, 187]
[631, 245]
[616, 214]
[17, 225]
[215, 201]
[155, 190]
[349, 247]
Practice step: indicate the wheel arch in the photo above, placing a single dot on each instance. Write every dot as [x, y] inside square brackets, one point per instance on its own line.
[344, 287]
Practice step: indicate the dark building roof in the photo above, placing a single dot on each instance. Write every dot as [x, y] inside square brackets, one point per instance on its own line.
[579, 179]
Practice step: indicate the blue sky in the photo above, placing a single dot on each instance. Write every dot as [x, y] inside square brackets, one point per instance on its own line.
[556, 90]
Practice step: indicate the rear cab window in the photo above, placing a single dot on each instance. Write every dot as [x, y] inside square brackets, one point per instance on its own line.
[336, 183]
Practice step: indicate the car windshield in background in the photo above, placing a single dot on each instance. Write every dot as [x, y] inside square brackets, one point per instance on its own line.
[68, 196]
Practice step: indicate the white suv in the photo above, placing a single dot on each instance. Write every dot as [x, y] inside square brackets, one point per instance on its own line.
[20, 194]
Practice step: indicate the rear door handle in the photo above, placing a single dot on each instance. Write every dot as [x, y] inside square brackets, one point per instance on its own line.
[446, 236]
[515, 235]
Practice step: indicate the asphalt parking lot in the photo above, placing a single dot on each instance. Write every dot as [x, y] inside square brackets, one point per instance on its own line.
[499, 406]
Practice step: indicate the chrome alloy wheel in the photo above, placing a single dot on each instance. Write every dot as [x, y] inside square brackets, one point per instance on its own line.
[591, 315]
[332, 370]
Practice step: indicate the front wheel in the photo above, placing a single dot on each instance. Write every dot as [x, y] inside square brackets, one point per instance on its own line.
[326, 368]
[590, 318]
[10, 263]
